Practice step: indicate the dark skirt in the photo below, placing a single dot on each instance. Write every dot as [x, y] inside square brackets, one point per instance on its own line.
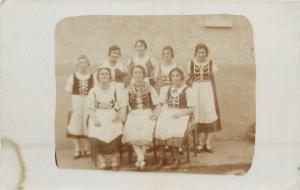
[207, 127]
[173, 142]
[107, 148]
[69, 135]
[176, 141]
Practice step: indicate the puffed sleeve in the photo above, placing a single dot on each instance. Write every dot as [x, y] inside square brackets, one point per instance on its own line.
[214, 68]
[122, 95]
[154, 62]
[190, 97]
[95, 77]
[154, 96]
[91, 100]
[188, 68]
[163, 94]
[69, 84]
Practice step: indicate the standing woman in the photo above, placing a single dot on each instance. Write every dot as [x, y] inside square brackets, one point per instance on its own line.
[143, 59]
[164, 68]
[144, 107]
[119, 70]
[206, 117]
[172, 123]
[107, 110]
[77, 87]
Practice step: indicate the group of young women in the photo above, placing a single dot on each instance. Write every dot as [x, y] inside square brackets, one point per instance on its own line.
[142, 103]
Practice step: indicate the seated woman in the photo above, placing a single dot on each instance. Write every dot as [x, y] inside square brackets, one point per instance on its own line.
[172, 122]
[107, 110]
[144, 106]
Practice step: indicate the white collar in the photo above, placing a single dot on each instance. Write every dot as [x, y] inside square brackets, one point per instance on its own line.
[138, 60]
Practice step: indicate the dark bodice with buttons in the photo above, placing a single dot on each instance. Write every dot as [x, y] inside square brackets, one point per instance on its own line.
[82, 87]
[177, 101]
[200, 73]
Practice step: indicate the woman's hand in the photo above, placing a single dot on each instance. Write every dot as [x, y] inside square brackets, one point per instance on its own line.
[153, 117]
[97, 124]
[116, 119]
[176, 115]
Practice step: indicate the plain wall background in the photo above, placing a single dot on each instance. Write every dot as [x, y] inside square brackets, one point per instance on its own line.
[229, 38]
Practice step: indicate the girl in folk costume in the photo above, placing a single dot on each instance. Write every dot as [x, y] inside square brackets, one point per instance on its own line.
[119, 71]
[107, 110]
[141, 58]
[164, 68]
[172, 123]
[77, 87]
[144, 107]
[206, 112]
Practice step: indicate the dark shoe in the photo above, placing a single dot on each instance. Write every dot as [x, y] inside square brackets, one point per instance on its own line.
[208, 148]
[115, 168]
[180, 151]
[161, 163]
[176, 164]
[77, 154]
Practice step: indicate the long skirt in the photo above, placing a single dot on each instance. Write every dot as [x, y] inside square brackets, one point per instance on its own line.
[139, 128]
[170, 131]
[77, 119]
[205, 115]
[108, 135]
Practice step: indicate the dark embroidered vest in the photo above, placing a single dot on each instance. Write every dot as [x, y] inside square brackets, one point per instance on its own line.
[149, 67]
[82, 87]
[179, 101]
[146, 101]
[119, 75]
[196, 75]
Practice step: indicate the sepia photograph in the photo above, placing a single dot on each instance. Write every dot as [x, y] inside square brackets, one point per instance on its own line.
[149, 95]
[155, 93]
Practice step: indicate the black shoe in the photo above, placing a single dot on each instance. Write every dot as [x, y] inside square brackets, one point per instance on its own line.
[161, 163]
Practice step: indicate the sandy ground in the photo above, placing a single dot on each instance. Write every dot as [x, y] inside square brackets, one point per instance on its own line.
[230, 157]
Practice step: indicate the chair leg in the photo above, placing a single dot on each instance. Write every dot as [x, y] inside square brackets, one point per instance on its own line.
[130, 155]
[194, 141]
[95, 152]
[154, 151]
[188, 153]
[121, 154]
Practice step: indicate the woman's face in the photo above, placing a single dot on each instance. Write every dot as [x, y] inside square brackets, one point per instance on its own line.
[167, 56]
[83, 65]
[114, 55]
[140, 48]
[201, 55]
[103, 76]
[176, 78]
[138, 74]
